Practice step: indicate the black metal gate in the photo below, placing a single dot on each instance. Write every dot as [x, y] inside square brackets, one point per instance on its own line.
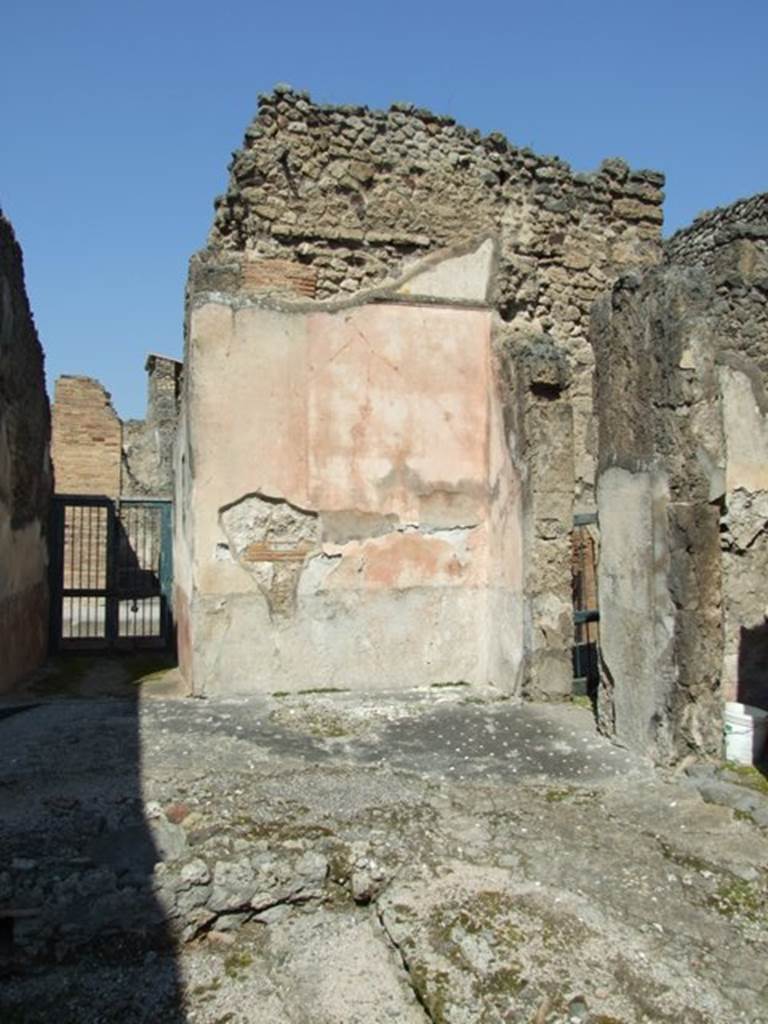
[111, 573]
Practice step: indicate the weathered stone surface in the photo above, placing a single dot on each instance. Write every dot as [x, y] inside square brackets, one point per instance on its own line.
[95, 453]
[681, 399]
[147, 445]
[480, 825]
[699, 244]
[377, 532]
[349, 195]
[25, 474]
[535, 379]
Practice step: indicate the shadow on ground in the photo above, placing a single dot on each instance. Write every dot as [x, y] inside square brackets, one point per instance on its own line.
[78, 852]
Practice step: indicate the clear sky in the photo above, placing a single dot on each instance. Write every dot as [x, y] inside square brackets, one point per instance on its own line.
[118, 121]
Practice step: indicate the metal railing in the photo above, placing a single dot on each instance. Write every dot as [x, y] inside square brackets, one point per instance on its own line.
[111, 572]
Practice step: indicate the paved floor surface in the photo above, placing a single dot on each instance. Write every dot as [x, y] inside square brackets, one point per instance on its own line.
[328, 858]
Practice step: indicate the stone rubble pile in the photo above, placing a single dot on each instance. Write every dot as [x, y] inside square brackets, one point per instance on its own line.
[201, 882]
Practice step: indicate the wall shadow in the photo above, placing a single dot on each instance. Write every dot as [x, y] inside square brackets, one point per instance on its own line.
[752, 687]
[83, 936]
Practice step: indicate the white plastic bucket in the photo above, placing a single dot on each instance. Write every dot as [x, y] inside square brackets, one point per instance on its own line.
[745, 733]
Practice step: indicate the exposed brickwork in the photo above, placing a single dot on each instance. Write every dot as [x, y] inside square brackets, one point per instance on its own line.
[94, 453]
[279, 276]
[352, 192]
[87, 438]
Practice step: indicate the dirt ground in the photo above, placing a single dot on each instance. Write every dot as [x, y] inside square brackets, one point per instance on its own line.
[438, 855]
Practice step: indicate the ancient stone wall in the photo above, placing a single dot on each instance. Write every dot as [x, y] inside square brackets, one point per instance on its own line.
[348, 512]
[87, 438]
[659, 570]
[700, 243]
[147, 469]
[683, 486]
[25, 474]
[537, 389]
[327, 205]
[330, 200]
[95, 453]
[731, 244]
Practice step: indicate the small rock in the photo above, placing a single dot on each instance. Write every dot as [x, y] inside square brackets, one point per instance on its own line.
[233, 884]
[196, 872]
[578, 1011]
[170, 840]
[272, 914]
[176, 813]
[229, 922]
[313, 866]
[367, 884]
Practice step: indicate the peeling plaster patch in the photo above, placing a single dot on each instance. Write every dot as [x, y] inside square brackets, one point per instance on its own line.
[441, 503]
[747, 517]
[446, 532]
[406, 558]
[317, 571]
[271, 539]
[339, 527]
[222, 553]
[466, 277]
[443, 509]
[746, 433]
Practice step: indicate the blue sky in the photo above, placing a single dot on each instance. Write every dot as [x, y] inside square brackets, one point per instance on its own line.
[118, 121]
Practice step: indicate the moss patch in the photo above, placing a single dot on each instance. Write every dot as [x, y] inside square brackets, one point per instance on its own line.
[236, 963]
[736, 897]
[749, 776]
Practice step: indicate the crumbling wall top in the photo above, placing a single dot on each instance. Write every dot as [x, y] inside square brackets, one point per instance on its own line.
[348, 194]
[746, 219]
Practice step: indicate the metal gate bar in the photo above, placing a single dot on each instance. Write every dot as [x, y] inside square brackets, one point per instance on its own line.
[111, 572]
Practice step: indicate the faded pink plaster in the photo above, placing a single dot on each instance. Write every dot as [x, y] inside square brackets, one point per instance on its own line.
[397, 407]
[401, 560]
[380, 409]
[250, 401]
[385, 422]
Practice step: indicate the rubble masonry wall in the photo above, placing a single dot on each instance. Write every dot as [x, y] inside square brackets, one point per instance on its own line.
[25, 474]
[681, 399]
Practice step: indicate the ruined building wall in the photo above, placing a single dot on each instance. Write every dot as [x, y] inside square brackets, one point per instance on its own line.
[350, 515]
[537, 390]
[325, 203]
[701, 243]
[95, 453]
[731, 244]
[147, 467]
[25, 474]
[87, 438]
[659, 570]
[340, 198]
[681, 400]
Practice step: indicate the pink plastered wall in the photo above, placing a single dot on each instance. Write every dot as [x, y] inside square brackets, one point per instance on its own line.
[383, 413]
